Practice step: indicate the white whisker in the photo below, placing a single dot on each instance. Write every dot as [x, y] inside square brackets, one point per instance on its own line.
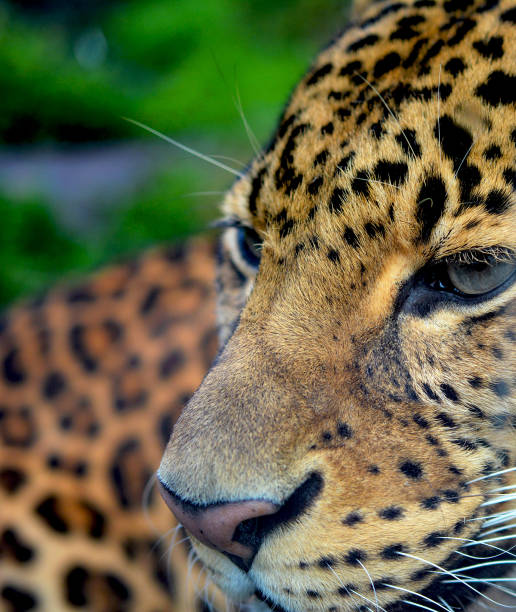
[371, 581]
[492, 475]
[417, 605]
[463, 160]
[358, 178]
[447, 572]
[398, 588]
[183, 147]
[439, 115]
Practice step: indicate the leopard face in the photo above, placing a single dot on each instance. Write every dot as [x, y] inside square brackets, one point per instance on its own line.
[359, 421]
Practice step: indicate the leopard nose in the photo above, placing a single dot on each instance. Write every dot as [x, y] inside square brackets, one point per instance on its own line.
[215, 525]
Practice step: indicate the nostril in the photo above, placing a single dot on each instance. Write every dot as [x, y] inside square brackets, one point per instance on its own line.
[215, 524]
[237, 529]
[251, 532]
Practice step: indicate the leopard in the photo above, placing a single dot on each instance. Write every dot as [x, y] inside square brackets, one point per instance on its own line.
[352, 444]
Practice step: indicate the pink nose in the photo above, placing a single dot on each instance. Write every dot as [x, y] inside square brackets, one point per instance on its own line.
[215, 525]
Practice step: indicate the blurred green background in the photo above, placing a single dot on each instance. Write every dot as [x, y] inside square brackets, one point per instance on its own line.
[78, 185]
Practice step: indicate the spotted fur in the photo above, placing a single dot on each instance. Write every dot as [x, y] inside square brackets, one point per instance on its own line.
[350, 390]
[373, 408]
[92, 378]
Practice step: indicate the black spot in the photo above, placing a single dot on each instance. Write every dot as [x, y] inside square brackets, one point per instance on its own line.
[14, 373]
[431, 202]
[411, 469]
[372, 229]
[326, 562]
[346, 590]
[350, 68]
[367, 41]
[53, 385]
[12, 546]
[319, 74]
[449, 392]
[465, 26]
[119, 589]
[11, 479]
[455, 140]
[386, 64]
[327, 128]
[509, 16]
[80, 295]
[491, 49]
[75, 584]
[351, 238]
[408, 142]
[171, 363]
[256, 186]
[389, 9]
[392, 552]
[430, 393]
[321, 158]
[392, 513]
[455, 66]
[431, 503]
[352, 519]
[344, 430]
[497, 202]
[420, 421]
[391, 172]
[338, 197]
[500, 88]
[446, 420]
[373, 469]
[333, 256]
[48, 511]
[313, 594]
[314, 185]
[150, 299]
[78, 347]
[433, 539]
[354, 556]
[492, 153]
[451, 496]
[345, 162]
[19, 599]
[360, 184]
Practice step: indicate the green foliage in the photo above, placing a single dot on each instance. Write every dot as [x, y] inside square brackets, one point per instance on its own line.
[68, 76]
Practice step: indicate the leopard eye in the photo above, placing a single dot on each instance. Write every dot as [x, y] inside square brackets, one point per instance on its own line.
[250, 245]
[477, 278]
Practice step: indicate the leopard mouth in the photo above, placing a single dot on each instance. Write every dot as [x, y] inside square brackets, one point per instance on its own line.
[450, 590]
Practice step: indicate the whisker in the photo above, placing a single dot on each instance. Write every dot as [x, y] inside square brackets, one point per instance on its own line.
[378, 607]
[416, 605]
[398, 588]
[388, 109]
[463, 160]
[147, 492]
[238, 162]
[439, 115]
[470, 542]
[358, 178]
[370, 580]
[498, 529]
[447, 572]
[183, 147]
[492, 475]
[250, 134]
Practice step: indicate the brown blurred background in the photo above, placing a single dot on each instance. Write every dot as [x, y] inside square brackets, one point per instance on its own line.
[79, 186]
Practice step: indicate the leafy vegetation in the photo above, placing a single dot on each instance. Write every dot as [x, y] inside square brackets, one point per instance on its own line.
[70, 71]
